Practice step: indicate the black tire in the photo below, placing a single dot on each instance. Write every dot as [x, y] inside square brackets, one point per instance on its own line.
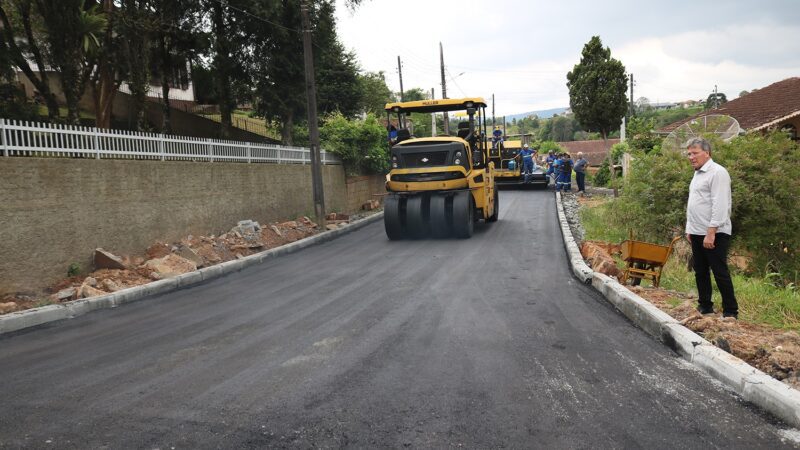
[496, 212]
[417, 217]
[393, 217]
[463, 215]
[440, 215]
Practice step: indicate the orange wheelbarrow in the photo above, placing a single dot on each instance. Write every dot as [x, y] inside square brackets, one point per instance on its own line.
[644, 260]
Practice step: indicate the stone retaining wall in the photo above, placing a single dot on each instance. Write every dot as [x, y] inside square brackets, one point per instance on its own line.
[55, 212]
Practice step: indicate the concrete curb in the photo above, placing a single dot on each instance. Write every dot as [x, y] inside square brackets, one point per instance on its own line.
[32, 317]
[579, 266]
[750, 383]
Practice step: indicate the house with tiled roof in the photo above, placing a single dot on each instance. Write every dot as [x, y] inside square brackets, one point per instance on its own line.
[776, 106]
[594, 151]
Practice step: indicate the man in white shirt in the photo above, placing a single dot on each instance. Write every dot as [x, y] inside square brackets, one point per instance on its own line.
[708, 228]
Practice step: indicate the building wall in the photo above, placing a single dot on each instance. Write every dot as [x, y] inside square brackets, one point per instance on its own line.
[54, 212]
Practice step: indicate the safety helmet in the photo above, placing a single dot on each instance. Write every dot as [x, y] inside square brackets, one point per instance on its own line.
[525, 146]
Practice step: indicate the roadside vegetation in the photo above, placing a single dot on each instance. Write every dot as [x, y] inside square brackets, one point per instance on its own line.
[765, 173]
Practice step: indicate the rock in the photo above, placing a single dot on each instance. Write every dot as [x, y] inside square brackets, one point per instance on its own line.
[88, 291]
[331, 226]
[290, 224]
[331, 216]
[7, 307]
[106, 260]
[170, 266]
[90, 281]
[186, 252]
[65, 294]
[276, 230]
[607, 267]
[154, 276]
[246, 228]
[722, 343]
[599, 260]
[370, 205]
[110, 285]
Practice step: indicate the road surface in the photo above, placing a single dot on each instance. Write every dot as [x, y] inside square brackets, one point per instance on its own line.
[363, 342]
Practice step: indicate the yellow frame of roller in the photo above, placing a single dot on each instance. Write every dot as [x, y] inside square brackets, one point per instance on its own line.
[476, 177]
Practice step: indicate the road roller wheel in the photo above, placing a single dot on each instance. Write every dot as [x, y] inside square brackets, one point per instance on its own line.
[417, 215]
[463, 215]
[496, 212]
[393, 217]
[441, 212]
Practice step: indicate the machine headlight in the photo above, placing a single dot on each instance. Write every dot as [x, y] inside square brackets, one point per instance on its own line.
[458, 154]
[394, 157]
[457, 161]
[394, 165]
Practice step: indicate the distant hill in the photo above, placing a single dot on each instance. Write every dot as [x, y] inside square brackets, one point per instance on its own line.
[543, 114]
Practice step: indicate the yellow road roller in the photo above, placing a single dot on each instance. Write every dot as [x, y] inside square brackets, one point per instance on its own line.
[439, 186]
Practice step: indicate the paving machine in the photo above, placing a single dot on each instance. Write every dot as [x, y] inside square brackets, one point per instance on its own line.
[439, 186]
[508, 165]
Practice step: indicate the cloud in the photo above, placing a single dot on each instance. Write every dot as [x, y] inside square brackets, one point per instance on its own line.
[521, 50]
[766, 44]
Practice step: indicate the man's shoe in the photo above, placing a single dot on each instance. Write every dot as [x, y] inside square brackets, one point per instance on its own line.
[705, 311]
[734, 315]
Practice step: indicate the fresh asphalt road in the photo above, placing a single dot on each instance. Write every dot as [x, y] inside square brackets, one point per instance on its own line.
[363, 342]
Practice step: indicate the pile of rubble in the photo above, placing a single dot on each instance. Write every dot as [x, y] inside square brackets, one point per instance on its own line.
[162, 260]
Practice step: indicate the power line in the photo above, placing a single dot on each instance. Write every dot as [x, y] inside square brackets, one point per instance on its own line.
[226, 4]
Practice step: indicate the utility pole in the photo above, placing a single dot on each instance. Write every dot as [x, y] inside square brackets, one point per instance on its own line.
[313, 126]
[493, 121]
[444, 90]
[400, 71]
[433, 118]
[633, 110]
[716, 99]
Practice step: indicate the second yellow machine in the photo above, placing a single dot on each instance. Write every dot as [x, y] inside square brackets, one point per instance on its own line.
[439, 185]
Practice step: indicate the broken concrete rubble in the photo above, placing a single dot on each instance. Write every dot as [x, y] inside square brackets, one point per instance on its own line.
[107, 260]
[170, 266]
[114, 273]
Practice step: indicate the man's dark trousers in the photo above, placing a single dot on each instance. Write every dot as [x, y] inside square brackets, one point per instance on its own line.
[715, 259]
[580, 177]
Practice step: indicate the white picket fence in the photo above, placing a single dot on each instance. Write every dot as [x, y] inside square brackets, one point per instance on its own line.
[22, 138]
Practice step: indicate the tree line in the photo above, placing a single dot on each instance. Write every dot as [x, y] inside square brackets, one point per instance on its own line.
[240, 51]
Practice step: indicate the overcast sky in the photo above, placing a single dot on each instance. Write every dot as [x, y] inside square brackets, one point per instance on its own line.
[521, 50]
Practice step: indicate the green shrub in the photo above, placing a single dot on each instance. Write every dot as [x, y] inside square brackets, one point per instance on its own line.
[361, 144]
[14, 105]
[765, 174]
[73, 270]
[603, 175]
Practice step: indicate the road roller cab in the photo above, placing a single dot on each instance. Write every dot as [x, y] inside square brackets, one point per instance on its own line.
[441, 185]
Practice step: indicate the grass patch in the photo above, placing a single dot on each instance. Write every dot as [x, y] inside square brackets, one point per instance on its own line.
[595, 222]
[760, 301]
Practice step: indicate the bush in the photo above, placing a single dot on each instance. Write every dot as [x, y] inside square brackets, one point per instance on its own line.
[546, 146]
[765, 170]
[603, 176]
[14, 104]
[361, 144]
[765, 175]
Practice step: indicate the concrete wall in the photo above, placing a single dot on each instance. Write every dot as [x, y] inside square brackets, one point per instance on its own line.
[54, 212]
[363, 189]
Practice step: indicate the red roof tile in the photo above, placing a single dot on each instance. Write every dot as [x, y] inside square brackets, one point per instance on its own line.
[759, 108]
[594, 151]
